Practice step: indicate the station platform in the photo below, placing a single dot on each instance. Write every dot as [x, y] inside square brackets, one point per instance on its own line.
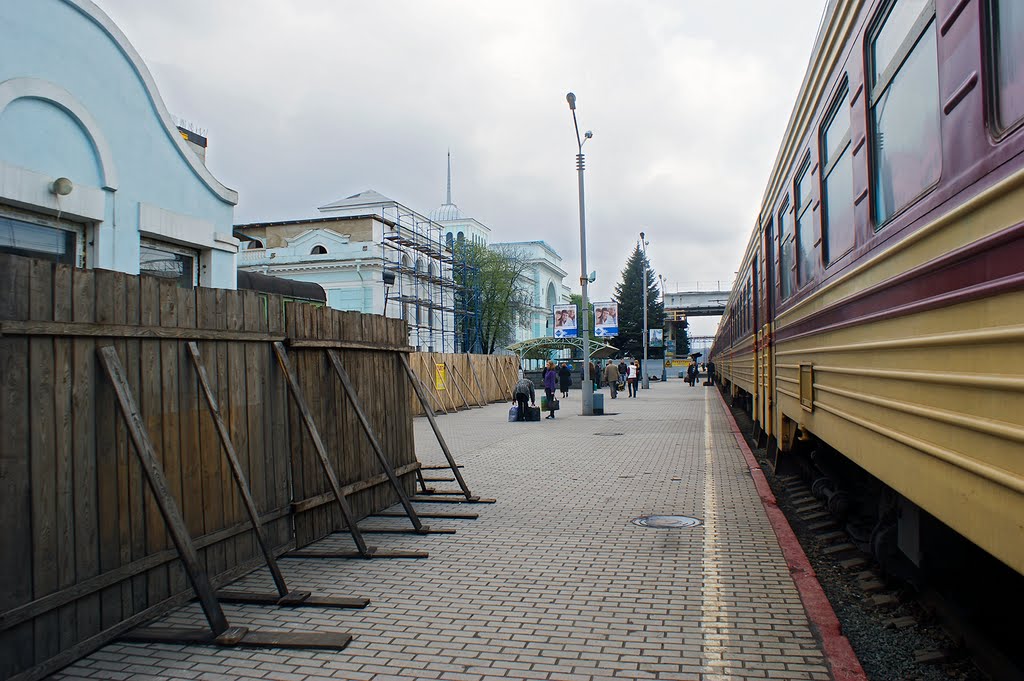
[554, 581]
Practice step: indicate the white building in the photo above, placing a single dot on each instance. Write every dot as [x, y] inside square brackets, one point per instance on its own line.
[348, 251]
[358, 242]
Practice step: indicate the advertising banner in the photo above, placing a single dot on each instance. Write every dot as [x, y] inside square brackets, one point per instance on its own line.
[606, 320]
[565, 321]
[657, 336]
[440, 376]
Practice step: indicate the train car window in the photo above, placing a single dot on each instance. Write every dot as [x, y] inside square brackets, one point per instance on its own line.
[904, 106]
[804, 225]
[836, 180]
[1007, 26]
[785, 253]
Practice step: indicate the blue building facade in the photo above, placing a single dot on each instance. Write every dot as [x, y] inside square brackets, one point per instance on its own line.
[93, 172]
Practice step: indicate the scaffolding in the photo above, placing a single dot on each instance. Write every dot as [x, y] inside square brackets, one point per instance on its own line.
[429, 284]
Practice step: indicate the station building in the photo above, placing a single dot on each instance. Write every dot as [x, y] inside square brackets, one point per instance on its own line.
[370, 254]
[373, 254]
[93, 171]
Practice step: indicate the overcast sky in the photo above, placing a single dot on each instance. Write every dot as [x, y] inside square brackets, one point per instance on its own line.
[308, 101]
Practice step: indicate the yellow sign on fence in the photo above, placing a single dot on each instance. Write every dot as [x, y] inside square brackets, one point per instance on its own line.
[440, 376]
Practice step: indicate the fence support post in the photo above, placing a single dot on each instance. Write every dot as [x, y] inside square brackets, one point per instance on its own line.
[346, 383]
[437, 431]
[285, 597]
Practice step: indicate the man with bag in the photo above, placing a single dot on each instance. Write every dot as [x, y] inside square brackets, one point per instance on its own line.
[522, 392]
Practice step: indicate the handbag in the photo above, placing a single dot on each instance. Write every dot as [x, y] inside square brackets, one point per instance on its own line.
[554, 405]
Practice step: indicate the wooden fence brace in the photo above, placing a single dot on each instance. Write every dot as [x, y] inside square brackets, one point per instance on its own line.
[321, 450]
[284, 595]
[429, 390]
[476, 380]
[499, 379]
[422, 482]
[437, 431]
[350, 391]
[158, 483]
[220, 632]
[362, 550]
[453, 371]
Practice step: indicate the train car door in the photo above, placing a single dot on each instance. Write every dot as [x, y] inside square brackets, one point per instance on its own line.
[764, 316]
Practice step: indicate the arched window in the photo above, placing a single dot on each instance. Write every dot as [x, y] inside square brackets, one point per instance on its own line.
[461, 237]
[318, 250]
[449, 239]
[255, 243]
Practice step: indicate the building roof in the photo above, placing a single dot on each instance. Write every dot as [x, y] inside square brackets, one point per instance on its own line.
[447, 212]
[368, 197]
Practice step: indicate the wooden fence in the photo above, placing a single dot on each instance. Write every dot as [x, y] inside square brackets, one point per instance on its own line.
[467, 380]
[85, 553]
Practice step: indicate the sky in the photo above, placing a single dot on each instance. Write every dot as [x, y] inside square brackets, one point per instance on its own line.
[308, 101]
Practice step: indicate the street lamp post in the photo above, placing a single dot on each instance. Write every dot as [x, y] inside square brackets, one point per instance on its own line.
[664, 340]
[646, 382]
[588, 385]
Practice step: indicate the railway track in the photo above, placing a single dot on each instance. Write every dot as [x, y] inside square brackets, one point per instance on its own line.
[903, 625]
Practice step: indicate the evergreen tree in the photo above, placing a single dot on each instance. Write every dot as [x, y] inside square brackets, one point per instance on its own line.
[629, 294]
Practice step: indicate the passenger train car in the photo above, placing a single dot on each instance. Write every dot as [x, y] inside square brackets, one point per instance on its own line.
[877, 318]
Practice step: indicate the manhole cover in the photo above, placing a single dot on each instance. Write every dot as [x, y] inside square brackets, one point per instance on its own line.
[609, 434]
[667, 521]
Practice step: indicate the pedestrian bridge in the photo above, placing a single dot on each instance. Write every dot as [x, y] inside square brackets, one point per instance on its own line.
[697, 303]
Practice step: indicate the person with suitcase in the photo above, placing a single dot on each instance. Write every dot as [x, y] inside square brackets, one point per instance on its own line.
[550, 381]
[522, 392]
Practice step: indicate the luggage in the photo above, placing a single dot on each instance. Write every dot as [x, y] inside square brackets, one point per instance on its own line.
[513, 413]
[553, 406]
[532, 414]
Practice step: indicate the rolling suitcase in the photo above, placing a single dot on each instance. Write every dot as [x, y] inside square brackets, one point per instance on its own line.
[533, 413]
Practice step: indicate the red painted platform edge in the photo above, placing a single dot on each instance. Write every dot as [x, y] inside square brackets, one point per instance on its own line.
[839, 655]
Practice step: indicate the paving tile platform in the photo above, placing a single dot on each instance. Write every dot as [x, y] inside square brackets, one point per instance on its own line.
[553, 581]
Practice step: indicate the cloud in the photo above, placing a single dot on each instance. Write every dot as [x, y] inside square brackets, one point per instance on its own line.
[306, 102]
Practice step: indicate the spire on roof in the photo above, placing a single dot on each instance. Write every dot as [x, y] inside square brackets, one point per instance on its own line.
[448, 211]
[449, 201]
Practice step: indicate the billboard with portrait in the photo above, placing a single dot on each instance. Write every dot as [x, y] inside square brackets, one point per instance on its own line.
[657, 337]
[606, 320]
[565, 321]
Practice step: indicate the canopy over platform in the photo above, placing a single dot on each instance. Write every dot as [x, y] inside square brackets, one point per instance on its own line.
[537, 348]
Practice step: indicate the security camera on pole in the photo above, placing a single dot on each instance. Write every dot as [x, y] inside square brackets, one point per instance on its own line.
[588, 385]
[646, 382]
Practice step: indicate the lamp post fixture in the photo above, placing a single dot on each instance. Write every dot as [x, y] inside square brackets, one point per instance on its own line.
[664, 340]
[588, 384]
[645, 382]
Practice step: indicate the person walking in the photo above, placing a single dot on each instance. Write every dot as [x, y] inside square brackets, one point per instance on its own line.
[594, 376]
[523, 392]
[623, 372]
[611, 377]
[633, 377]
[550, 379]
[564, 379]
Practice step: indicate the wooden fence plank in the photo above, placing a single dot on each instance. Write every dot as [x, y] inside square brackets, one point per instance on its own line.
[171, 417]
[136, 487]
[192, 499]
[42, 437]
[84, 419]
[109, 289]
[151, 402]
[213, 497]
[64, 461]
[16, 645]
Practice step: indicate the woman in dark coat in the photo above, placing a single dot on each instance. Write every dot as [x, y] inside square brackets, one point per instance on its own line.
[550, 377]
[564, 379]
